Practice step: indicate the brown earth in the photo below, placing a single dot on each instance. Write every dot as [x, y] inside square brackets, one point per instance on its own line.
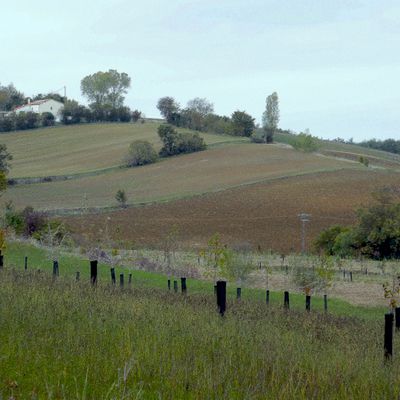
[264, 214]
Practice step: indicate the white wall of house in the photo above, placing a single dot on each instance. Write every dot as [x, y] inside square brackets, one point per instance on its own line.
[50, 105]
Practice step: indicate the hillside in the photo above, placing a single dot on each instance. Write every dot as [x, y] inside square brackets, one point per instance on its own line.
[82, 148]
[246, 191]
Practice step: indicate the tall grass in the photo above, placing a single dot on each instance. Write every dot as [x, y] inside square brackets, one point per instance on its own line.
[66, 340]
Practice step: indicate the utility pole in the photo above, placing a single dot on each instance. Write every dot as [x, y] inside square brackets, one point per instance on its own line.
[304, 218]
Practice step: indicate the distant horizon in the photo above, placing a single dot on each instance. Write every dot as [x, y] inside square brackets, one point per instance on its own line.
[333, 64]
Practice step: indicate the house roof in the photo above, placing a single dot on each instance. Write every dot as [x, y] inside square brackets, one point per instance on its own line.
[35, 103]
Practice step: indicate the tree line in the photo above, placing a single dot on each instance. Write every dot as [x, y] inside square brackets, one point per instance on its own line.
[199, 115]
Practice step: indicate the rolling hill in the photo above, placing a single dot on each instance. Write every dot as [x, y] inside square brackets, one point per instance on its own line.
[246, 191]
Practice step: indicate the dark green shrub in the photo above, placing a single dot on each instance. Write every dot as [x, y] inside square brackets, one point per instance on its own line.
[47, 119]
[190, 143]
[141, 152]
[304, 142]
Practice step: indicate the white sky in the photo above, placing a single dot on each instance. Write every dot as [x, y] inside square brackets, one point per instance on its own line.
[334, 63]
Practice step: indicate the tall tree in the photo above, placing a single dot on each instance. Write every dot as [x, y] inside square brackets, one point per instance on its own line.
[270, 117]
[201, 106]
[168, 107]
[242, 124]
[106, 88]
[10, 97]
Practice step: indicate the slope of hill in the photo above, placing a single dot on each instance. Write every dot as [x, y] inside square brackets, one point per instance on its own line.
[246, 191]
[80, 148]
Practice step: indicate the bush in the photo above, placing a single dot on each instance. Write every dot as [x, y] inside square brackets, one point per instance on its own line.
[304, 142]
[363, 160]
[47, 119]
[257, 137]
[121, 197]
[136, 115]
[178, 143]
[141, 152]
[25, 222]
[7, 124]
[190, 143]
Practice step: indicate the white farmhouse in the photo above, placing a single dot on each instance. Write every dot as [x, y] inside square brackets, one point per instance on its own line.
[42, 106]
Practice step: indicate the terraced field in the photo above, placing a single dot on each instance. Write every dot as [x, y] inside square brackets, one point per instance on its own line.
[213, 170]
[245, 191]
[80, 148]
[263, 214]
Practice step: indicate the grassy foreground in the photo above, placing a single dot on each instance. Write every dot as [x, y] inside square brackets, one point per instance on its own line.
[65, 340]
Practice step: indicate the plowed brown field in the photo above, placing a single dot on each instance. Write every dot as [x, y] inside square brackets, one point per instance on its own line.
[263, 214]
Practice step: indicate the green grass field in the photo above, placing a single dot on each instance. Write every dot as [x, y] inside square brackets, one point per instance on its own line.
[63, 339]
[67, 150]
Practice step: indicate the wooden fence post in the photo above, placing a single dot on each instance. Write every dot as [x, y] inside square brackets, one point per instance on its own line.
[183, 285]
[286, 303]
[112, 275]
[267, 296]
[77, 275]
[238, 293]
[308, 303]
[93, 272]
[221, 297]
[1, 260]
[55, 269]
[26, 263]
[121, 280]
[397, 318]
[388, 339]
[169, 284]
[175, 286]
[130, 279]
[351, 276]
[325, 302]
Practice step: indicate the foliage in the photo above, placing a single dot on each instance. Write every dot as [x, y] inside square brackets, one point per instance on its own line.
[217, 256]
[270, 118]
[325, 241]
[47, 119]
[169, 246]
[189, 143]
[106, 88]
[121, 197]
[304, 142]
[141, 152]
[363, 160]
[242, 124]
[376, 234]
[7, 124]
[26, 120]
[29, 223]
[304, 274]
[238, 266]
[177, 143]
[136, 115]
[168, 108]
[392, 292]
[5, 157]
[389, 145]
[325, 272]
[10, 97]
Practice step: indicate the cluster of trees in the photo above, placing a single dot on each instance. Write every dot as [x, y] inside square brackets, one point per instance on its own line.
[26, 120]
[104, 90]
[199, 115]
[390, 145]
[142, 152]
[376, 234]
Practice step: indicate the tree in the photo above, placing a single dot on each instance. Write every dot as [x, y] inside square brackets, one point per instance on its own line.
[304, 142]
[242, 124]
[141, 152]
[136, 115]
[5, 157]
[106, 88]
[10, 97]
[270, 117]
[168, 135]
[201, 106]
[168, 107]
[121, 197]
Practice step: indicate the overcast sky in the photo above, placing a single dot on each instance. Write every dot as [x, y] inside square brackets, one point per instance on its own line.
[334, 63]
